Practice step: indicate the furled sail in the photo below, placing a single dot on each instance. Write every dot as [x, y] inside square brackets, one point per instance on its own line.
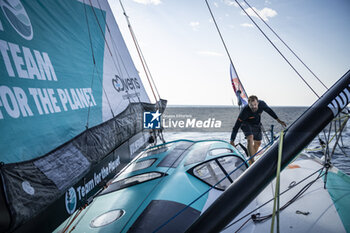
[241, 95]
[71, 105]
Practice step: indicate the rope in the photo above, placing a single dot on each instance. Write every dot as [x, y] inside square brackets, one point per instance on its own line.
[223, 42]
[92, 51]
[211, 187]
[116, 64]
[229, 56]
[142, 59]
[266, 217]
[338, 136]
[240, 228]
[276, 202]
[287, 46]
[90, 102]
[75, 216]
[342, 126]
[239, 4]
[299, 194]
[93, 60]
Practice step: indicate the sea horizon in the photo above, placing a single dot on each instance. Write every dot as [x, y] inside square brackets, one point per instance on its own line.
[226, 106]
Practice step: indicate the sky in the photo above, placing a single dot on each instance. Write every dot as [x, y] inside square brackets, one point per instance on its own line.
[189, 64]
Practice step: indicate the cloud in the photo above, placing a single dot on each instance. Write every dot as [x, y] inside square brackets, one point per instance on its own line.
[248, 25]
[230, 3]
[210, 53]
[194, 25]
[148, 2]
[264, 13]
[216, 4]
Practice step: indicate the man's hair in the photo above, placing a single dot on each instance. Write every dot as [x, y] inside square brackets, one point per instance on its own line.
[252, 98]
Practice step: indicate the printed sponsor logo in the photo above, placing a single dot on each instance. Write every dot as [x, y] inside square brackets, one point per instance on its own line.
[95, 180]
[124, 85]
[71, 200]
[151, 120]
[28, 188]
[137, 145]
[17, 17]
[339, 102]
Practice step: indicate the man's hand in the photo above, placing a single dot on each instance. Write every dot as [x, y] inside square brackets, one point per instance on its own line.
[281, 122]
[232, 143]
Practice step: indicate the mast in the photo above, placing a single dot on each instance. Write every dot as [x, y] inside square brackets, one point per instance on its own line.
[258, 176]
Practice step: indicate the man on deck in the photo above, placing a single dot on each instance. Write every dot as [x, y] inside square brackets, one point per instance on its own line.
[249, 121]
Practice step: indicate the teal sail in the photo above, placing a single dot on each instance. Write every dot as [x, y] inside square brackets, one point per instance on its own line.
[71, 104]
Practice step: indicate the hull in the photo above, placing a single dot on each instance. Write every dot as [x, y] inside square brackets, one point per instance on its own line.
[315, 210]
[188, 183]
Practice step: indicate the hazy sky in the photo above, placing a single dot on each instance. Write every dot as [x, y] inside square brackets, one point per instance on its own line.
[189, 64]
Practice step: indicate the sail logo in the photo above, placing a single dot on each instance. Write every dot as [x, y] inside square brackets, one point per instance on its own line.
[127, 84]
[17, 17]
[151, 120]
[71, 200]
[339, 102]
[27, 187]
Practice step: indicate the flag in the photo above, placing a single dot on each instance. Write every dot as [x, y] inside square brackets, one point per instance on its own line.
[238, 88]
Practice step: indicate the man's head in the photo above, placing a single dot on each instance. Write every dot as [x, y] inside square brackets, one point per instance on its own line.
[253, 103]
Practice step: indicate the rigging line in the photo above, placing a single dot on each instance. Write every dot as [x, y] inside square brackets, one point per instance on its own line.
[90, 39]
[85, 209]
[104, 91]
[90, 102]
[104, 37]
[109, 31]
[277, 49]
[98, 22]
[327, 156]
[240, 228]
[93, 59]
[116, 51]
[223, 42]
[227, 52]
[211, 187]
[287, 204]
[138, 50]
[142, 58]
[92, 51]
[341, 136]
[276, 202]
[93, 10]
[289, 188]
[342, 126]
[287, 46]
[149, 72]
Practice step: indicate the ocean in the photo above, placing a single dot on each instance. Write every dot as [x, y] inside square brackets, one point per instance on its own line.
[209, 122]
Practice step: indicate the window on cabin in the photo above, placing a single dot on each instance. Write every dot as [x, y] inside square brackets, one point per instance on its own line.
[213, 171]
[131, 181]
[139, 165]
[219, 151]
